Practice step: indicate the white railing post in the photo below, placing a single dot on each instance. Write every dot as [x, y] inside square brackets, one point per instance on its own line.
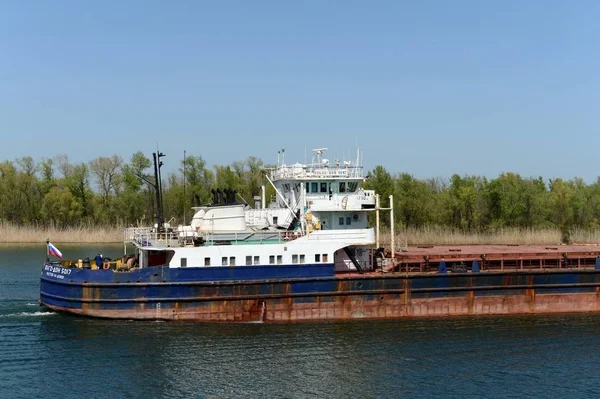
[377, 220]
[392, 224]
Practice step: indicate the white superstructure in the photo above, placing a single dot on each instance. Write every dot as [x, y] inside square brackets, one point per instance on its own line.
[318, 215]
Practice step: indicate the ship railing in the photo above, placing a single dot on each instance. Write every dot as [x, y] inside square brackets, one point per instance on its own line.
[247, 237]
[317, 172]
[151, 237]
[349, 235]
[359, 195]
[356, 201]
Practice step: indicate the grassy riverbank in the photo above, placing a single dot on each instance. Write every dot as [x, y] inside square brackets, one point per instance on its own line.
[10, 233]
[447, 236]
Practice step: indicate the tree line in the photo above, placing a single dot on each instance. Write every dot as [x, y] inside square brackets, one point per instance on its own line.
[476, 203]
[110, 191]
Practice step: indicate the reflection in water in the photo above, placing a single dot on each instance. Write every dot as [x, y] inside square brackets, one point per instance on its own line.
[60, 356]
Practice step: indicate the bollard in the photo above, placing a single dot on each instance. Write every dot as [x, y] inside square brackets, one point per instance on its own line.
[475, 267]
[442, 268]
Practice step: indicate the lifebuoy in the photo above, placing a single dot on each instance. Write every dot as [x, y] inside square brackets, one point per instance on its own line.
[106, 266]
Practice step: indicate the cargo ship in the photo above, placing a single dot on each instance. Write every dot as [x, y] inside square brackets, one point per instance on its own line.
[311, 255]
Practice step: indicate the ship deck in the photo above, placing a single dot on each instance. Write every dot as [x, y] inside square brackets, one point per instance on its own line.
[497, 257]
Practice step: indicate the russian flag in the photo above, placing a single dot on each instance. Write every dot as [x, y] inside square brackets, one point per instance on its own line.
[52, 250]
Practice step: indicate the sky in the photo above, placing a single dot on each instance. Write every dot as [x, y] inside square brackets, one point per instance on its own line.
[429, 88]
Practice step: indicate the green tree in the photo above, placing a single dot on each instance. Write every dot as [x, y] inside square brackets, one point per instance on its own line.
[135, 200]
[29, 193]
[534, 197]
[226, 177]
[464, 201]
[77, 179]
[413, 201]
[254, 177]
[10, 198]
[382, 182]
[60, 208]
[561, 196]
[48, 180]
[199, 180]
[107, 171]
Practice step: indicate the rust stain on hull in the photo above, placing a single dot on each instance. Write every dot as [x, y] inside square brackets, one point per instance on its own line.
[349, 296]
[352, 307]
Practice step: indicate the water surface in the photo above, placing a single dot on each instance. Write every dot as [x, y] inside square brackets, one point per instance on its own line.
[43, 354]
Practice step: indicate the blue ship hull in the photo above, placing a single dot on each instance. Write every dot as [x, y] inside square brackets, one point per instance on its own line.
[311, 292]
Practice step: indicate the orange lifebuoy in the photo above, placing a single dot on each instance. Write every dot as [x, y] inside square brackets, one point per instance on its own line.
[106, 266]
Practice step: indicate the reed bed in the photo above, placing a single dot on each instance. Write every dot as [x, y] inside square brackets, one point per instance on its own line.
[87, 234]
[448, 236]
[11, 233]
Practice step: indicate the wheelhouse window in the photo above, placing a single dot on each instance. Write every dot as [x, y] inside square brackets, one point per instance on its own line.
[248, 260]
[206, 261]
[352, 186]
[348, 220]
[307, 184]
[342, 187]
[323, 187]
[341, 221]
[314, 187]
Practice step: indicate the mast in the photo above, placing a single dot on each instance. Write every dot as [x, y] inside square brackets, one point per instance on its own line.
[184, 196]
[157, 192]
[159, 155]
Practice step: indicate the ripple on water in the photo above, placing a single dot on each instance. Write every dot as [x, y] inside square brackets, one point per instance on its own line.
[29, 314]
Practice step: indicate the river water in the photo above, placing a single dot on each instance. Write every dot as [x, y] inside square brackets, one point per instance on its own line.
[49, 355]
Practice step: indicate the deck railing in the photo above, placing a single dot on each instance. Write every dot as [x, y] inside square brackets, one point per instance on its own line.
[148, 236]
[320, 172]
[151, 237]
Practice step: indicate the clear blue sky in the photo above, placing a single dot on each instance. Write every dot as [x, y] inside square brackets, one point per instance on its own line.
[426, 87]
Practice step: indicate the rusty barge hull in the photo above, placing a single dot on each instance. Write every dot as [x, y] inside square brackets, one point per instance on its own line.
[376, 295]
[498, 257]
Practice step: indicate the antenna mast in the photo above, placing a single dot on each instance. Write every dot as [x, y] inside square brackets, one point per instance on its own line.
[159, 218]
[184, 195]
[157, 178]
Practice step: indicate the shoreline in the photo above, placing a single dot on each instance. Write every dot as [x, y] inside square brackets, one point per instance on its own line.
[13, 234]
[32, 234]
[441, 236]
